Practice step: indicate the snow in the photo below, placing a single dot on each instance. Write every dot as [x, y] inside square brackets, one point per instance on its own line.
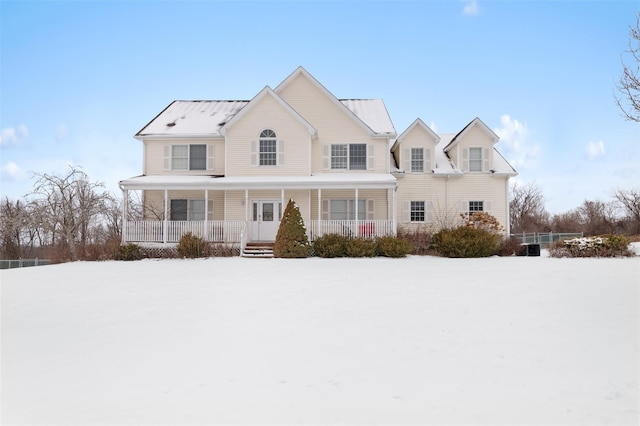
[421, 340]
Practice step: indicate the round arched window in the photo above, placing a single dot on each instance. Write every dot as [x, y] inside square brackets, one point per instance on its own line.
[268, 148]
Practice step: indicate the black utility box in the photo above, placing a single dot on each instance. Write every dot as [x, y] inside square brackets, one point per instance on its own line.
[530, 250]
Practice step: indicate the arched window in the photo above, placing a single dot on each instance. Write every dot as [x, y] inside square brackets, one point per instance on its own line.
[268, 149]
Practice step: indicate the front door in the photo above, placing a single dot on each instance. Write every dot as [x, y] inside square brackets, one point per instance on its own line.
[265, 219]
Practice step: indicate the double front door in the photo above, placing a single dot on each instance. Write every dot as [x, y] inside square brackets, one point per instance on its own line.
[265, 219]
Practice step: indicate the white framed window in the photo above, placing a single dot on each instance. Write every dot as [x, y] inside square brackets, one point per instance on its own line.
[346, 209]
[417, 160]
[417, 211]
[183, 209]
[475, 206]
[267, 150]
[348, 156]
[189, 157]
[475, 159]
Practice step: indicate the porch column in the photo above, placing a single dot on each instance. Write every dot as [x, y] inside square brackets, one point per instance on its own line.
[356, 202]
[319, 218]
[165, 227]
[206, 214]
[246, 205]
[125, 207]
[282, 204]
[394, 206]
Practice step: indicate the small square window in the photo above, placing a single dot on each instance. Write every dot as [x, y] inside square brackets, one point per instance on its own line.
[417, 213]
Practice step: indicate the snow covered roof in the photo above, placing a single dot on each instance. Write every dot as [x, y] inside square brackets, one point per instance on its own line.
[192, 118]
[320, 180]
[373, 112]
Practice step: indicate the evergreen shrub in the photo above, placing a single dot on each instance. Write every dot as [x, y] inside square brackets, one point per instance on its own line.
[291, 240]
[393, 247]
[466, 241]
[128, 251]
[330, 245]
[360, 247]
[192, 246]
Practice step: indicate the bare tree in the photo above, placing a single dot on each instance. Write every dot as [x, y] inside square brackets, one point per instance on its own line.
[630, 201]
[629, 84]
[69, 206]
[526, 209]
[17, 231]
[598, 217]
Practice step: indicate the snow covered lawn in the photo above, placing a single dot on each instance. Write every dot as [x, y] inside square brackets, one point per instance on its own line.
[421, 340]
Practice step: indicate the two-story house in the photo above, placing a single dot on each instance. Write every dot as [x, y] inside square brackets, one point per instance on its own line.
[224, 170]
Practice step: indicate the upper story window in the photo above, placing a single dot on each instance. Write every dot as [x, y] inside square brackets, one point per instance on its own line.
[417, 160]
[268, 155]
[475, 159]
[188, 157]
[349, 156]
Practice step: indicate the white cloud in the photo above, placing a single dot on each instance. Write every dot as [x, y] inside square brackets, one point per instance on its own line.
[517, 147]
[13, 135]
[595, 150]
[13, 172]
[62, 131]
[471, 8]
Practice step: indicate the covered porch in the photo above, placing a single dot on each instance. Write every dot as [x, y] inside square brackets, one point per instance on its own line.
[237, 210]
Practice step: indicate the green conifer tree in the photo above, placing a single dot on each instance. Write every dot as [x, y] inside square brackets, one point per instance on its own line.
[291, 240]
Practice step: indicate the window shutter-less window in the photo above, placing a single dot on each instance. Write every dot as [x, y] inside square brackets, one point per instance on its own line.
[280, 152]
[167, 157]
[465, 159]
[370, 157]
[407, 160]
[210, 156]
[254, 153]
[406, 211]
[486, 160]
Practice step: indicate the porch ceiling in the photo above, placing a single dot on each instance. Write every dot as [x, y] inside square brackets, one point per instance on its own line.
[318, 181]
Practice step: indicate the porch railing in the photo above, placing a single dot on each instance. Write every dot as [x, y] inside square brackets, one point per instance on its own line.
[153, 231]
[351, 228]
[233, 231]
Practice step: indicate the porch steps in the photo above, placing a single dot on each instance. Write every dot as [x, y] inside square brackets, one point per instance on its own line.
[258, 249]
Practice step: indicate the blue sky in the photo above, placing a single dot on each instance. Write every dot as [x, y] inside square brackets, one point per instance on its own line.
[79, 78]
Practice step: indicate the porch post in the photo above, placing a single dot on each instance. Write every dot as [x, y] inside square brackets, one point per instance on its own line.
[319, 218]
[206, 214]
[165, 228]
[125, 207]
[356, 202]
[394, 195]
[282, 204]
[246, 205]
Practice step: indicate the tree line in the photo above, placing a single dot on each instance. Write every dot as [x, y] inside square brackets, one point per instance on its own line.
[64, 218]
[619, 215]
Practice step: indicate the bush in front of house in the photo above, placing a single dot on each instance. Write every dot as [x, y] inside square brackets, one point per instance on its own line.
[466, 241]
[192, 246]
[419, 239]
[291, 240]
[511, 246]
[330, 245]
[609, 245]
[128, 251]
[360, 247]
[389, 246]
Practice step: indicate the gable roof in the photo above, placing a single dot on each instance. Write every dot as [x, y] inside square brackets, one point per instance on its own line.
[369, 116]
[475, 122]
[191, 118]
[417, 123]
[267, 91]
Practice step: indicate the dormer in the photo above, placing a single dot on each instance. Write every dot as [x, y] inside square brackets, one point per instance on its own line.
[414, 149]
[472, 148]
